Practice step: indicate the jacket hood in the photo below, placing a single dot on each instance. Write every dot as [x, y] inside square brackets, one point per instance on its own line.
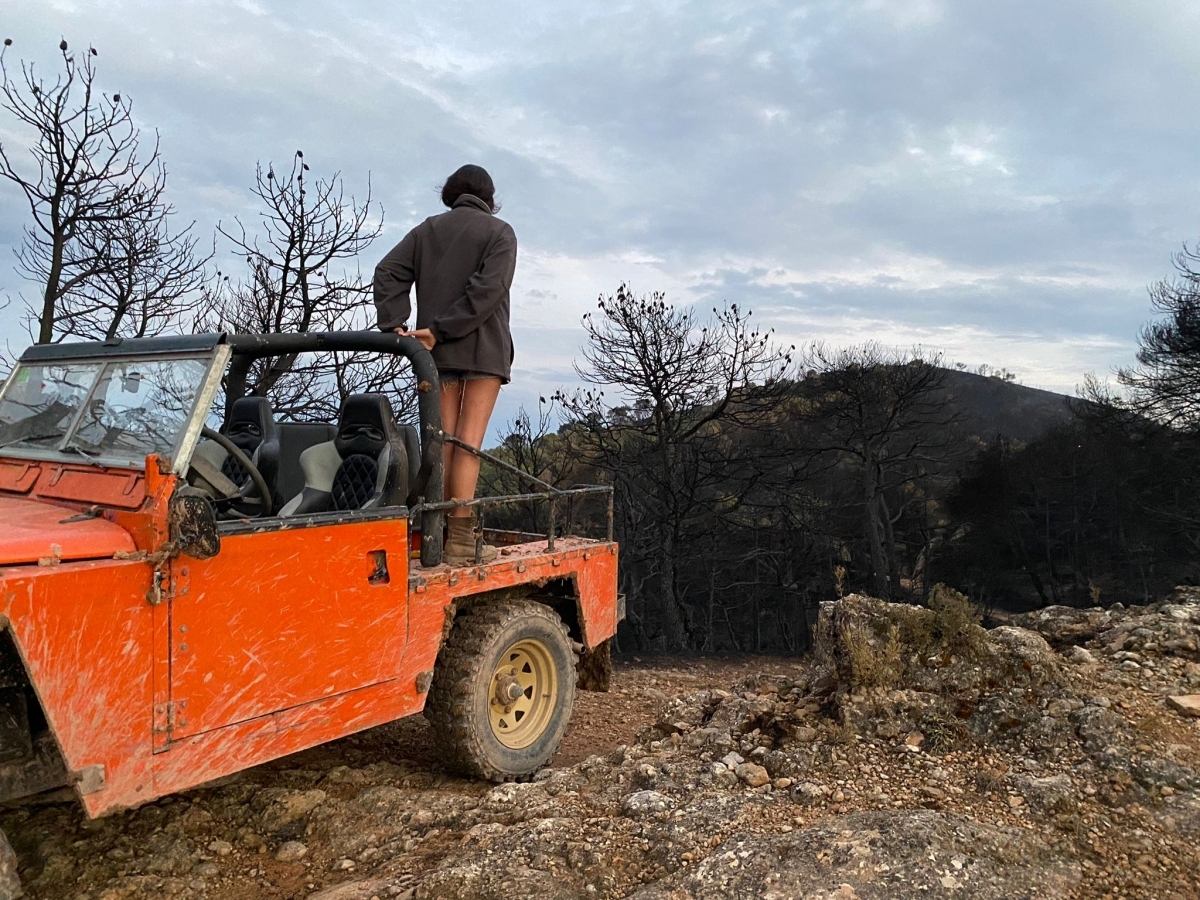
[31, 530]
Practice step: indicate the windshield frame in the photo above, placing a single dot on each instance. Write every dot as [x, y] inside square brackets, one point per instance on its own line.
[216, 359]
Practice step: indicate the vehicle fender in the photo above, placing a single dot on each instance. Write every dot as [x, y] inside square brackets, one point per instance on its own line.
[85, 634]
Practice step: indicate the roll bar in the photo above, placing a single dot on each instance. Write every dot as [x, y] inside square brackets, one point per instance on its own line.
[426, 499]
[249, 347]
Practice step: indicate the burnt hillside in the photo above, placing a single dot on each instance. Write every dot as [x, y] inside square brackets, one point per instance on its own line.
[992, 406]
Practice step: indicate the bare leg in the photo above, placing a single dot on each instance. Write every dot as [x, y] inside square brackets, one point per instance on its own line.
[478, 400]
[452, 396]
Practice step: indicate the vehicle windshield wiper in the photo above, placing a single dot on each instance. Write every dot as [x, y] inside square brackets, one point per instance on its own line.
[89, 458]
[32, 437]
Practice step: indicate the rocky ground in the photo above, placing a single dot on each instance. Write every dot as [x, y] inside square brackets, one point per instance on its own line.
[916, 755]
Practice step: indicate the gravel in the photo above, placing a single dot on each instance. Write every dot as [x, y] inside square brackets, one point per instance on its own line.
[1008, 763]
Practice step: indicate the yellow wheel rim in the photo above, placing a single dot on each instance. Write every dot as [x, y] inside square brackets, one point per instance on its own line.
[523, 695]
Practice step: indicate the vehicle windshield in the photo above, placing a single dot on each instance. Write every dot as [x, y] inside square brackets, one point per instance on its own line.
[117, 412]
[40, 402]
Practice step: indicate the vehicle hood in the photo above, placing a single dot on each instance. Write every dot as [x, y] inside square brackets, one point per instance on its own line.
[30, 530]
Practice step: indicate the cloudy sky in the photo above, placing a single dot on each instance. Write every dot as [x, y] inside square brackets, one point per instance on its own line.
[998, 180]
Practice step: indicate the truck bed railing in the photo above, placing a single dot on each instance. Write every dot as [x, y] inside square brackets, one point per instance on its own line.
[550, 494]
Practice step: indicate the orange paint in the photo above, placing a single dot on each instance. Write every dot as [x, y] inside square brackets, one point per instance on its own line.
[113, 487]
[83, 630]
[283, 618]
[33, 531]
[284, 640]
[18, 475]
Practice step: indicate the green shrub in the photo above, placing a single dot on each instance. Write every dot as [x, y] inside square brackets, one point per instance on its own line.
[956, 621]
[874, 643]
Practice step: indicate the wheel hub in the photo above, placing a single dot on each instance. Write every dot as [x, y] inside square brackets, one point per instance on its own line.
[508, 689]
[524, 693]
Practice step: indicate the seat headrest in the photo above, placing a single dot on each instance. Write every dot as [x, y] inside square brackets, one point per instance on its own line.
[251, 419]
[365, 425]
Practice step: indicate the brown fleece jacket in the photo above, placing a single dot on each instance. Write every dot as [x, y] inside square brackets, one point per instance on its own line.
[462, 263]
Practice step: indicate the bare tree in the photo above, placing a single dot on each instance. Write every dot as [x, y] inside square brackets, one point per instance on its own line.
[84, 176]
[299, 279]
[682, 388]
[151, 280]
[885, 417]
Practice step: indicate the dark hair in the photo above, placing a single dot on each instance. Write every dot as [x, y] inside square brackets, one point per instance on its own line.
[472, 180]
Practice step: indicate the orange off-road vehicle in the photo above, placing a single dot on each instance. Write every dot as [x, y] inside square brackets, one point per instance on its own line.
[178, 603]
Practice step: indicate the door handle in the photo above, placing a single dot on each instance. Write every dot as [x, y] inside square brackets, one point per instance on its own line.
[379, 572]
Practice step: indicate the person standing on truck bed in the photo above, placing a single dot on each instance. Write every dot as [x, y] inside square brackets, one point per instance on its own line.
[462, 264]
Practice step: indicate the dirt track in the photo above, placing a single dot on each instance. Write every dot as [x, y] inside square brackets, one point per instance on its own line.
[54, 841]
[601, 721]
[1013, 769]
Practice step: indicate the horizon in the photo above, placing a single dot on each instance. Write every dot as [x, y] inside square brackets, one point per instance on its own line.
[1001, 186]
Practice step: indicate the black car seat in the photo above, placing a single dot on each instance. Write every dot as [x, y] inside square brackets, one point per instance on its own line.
[296, 437]
[252, 428]
[365, 466]
[412, 448]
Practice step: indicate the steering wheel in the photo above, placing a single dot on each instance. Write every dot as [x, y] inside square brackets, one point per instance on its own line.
[255, 491]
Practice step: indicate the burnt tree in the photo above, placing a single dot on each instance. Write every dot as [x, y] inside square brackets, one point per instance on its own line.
[302, 276]
[86, 174]
[1165, 383]
[876, 424]
[663, 436]
[152, 279]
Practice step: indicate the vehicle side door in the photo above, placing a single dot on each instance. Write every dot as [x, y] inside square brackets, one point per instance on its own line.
[284, 616]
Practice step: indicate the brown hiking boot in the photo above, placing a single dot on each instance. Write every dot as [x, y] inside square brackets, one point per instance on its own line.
[460, 543]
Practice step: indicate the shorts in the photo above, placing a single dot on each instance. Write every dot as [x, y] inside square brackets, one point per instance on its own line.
[452, 376]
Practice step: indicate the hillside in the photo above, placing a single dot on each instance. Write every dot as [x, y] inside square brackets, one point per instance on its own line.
[995, 407]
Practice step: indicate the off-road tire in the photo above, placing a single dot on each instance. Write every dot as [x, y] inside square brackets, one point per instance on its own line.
[459, 700]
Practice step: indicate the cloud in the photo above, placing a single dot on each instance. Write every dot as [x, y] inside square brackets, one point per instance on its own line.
[1001, 180]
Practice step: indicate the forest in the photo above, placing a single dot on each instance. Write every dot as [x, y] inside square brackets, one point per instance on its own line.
[752, 480]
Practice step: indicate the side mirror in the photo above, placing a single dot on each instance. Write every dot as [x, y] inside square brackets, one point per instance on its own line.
[193, 523]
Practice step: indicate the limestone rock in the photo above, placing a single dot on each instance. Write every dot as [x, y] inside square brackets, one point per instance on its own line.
[1185, 704]
[1028, 646]
[1080, 655]
[290, 851]
[1064, 626]
[896, 855]
[352, 890]
[752, 774]
[281, 807]
[10, 885]
[1052, 794]
[645, 803]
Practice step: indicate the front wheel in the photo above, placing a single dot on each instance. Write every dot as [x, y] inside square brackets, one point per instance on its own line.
[503, 689]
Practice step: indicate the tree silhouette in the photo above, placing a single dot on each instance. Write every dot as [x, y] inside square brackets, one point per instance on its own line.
[678, 390]
[881, 422]
[1165, 384]
[299, 279]
[98, 242]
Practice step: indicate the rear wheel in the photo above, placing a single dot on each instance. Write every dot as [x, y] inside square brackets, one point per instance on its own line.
[503, 689]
